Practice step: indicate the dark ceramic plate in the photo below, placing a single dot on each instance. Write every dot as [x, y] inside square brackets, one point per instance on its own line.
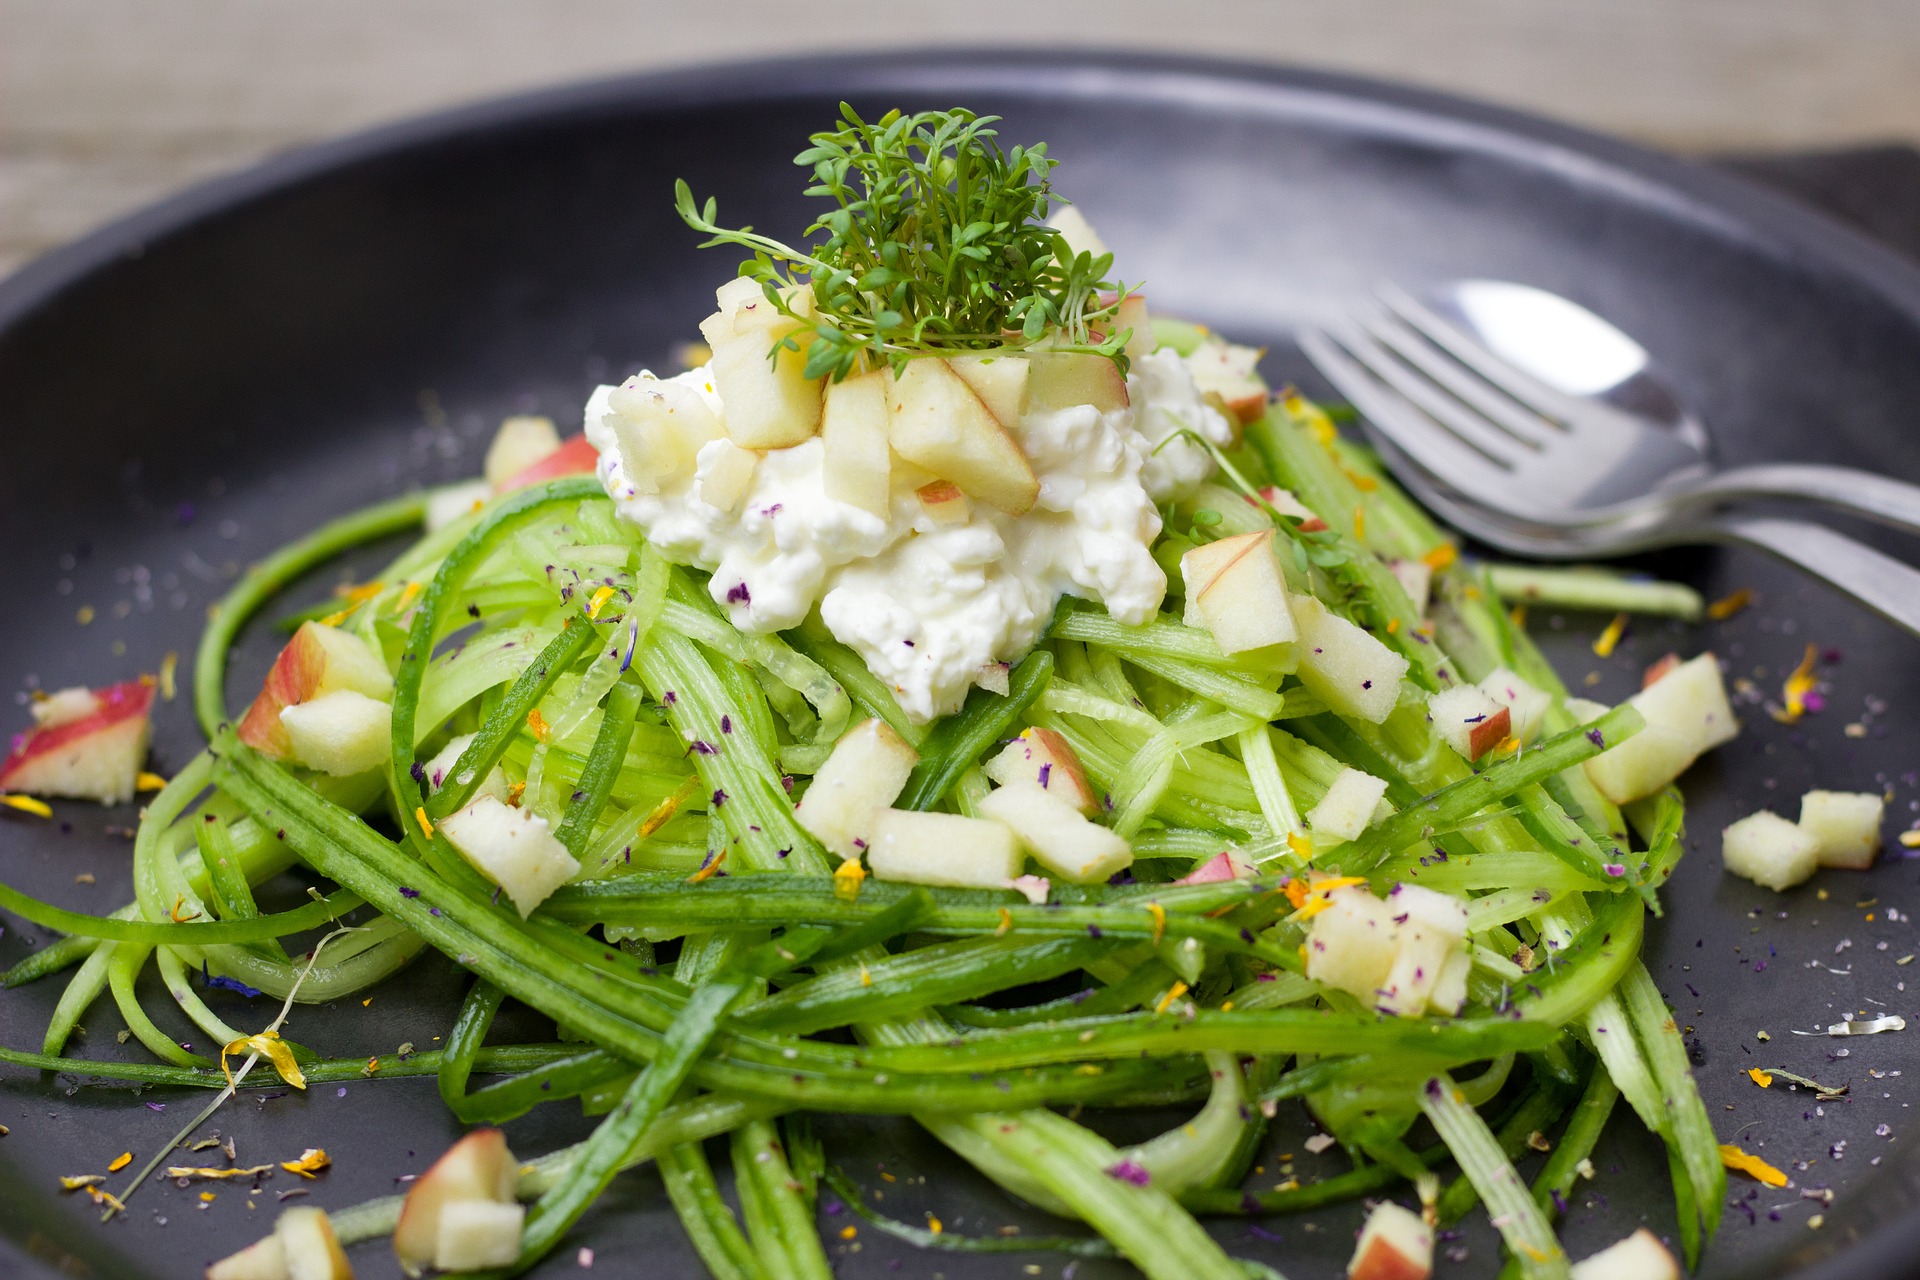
[186, 390]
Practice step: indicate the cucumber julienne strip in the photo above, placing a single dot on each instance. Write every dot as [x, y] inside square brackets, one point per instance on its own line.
[709, 1223]
[192, 933]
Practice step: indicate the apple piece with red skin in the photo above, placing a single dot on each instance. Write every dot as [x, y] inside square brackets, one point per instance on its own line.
[318, 660]
[478, 1167]
[1640, 1256]
[1046, 759]
[1396, 1244]
[1230, 372]
[520, 442]
[1228, 864]
[575, 456]
[943, 502]
[303, 1246]
[1664, 665]
[90, 756]
[1236, 590]
[1468, 720]
[1284, 501]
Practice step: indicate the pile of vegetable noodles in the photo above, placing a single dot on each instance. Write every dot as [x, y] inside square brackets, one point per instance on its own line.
[693, 967]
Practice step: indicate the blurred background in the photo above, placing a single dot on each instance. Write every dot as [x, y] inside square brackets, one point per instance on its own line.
[106, 105]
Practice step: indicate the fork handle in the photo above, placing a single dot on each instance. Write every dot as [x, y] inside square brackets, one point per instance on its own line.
[1890, 502]
[1885, 585]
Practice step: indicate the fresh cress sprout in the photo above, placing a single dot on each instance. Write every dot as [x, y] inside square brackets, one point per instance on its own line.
[934, 247]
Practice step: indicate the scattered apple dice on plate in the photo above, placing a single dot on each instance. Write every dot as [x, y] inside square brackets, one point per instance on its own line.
[864, 774]
[1395, 1244]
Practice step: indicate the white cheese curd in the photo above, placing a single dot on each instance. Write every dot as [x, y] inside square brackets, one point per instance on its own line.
[927, 605]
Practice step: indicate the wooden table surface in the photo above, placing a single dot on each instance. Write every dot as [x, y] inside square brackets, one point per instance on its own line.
[108, 104]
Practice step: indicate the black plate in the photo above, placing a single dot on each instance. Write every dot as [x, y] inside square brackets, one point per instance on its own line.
[195, 385]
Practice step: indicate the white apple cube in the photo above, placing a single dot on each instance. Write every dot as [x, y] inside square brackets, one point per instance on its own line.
[1077, 231]
[1845, 826]
[318, 660]
[1526, 705]
[1058, 835]
[440, 769]
[311, 1248]
[478, 1167]
[1467, 720]
[1416, 577]
[858, 462]
[514, 848]
[476, 1234]
[1450, 992]
[1230, 372]
[1236, 587]
[1044, 758]
[340, 733]
[88, 744]
[1347, 809]
[1350, 944]
[1284, 501]
[1065, 379]
[935, 420]
[1133, 319]
[1348, 669]
[1395, 1244]
[1768, 850]
[264, 1259]
[723, 474]
[863, 774]
[943, 849]
[1687, 714]
[659, 427]
[1001, 382]
[768, 401]
[450, 502]
[943, 502]
[1432, 929]
[518, 444]
[1640, 1256]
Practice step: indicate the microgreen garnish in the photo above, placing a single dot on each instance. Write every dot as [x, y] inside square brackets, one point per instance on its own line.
[934, 247]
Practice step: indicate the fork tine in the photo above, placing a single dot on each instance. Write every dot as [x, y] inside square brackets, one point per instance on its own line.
[1554, 405]
[1506, 413]
[1436, 404]
[1398, 420]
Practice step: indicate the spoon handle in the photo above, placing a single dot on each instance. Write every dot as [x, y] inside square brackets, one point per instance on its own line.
[1885, 585]
[1890, 502]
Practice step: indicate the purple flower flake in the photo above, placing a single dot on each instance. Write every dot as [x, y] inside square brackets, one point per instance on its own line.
[719, 798]
[668, 698]
[1614, 869]
[703, 748]
[1128, 1171]
[738, 594]
[1595, 737]
[726, 724]
[408, 893]
[156, 1106]
[419, 772]
[1046, 771]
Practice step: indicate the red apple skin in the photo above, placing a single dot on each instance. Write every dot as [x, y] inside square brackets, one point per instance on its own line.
[1382, 1261]
[575, 457]
[1225, 865]
[121, 709]
[1490, 733]
[295, 674]
[1659, 669]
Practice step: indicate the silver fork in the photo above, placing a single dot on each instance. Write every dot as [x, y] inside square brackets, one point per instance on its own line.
[1530, 469]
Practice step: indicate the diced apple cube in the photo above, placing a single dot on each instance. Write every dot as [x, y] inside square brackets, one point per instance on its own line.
[995, 677]
[1687, 714]
[1432, 929]
[659, 427]
[264, 1259]
[318, 660]
[1450, 992]
[1640, 1256]
[1066, 379]
[943, 849]
[1845, 826]
[1230, 372]
[478, 1167]
[511, 847]
[863, 774]
[450, 502]
[1395, 1244]
[1043, 757]
[476, 1234]
[339, 733]
[1284, 501]
[858, 462]
[1077, 231]
[91, 756]
[440, 769]
[1228, 864]
[1347, 809]
[575, 456]
[1236, 587]
[1057, 835]
[1526, 704]
[1416, 577]
[1001, 382]
[518, 444]
[312, 1249]
[1350, 944]
[1770, 851]
[1133, 319]
[1659, 668]
[768, 403]
[1348, 669]
[944, 503]
[723, 474]
[1467, 720]
[935, 420]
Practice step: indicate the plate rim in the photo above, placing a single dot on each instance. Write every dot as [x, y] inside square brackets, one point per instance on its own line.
[1770, 222]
